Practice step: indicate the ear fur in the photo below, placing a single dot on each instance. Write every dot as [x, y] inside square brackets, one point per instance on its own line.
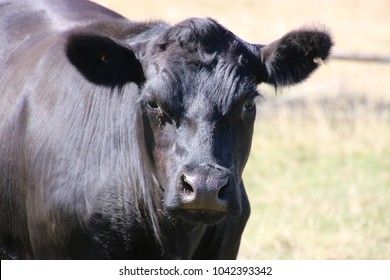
[102, 60]
[295, 56]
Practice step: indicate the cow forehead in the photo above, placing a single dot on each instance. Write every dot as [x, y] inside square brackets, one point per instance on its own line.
[185, 88]
[197, 33]
[198, 62]
[197, 42]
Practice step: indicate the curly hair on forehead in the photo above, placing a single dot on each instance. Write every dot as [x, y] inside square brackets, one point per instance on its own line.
[197, 33]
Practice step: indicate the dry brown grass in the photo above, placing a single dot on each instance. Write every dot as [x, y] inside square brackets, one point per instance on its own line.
[319, 187]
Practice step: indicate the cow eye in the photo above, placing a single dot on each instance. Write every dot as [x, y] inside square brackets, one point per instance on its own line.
[249, 104]
[152, 104]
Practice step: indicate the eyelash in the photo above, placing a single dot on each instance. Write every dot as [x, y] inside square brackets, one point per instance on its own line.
[163, 117]
[152, 104]
[249, 104]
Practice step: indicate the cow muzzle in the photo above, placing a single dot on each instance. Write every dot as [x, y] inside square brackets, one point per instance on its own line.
[205, 193]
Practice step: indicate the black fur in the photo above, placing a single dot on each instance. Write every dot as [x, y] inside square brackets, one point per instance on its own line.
[103, 61]
[293, 58]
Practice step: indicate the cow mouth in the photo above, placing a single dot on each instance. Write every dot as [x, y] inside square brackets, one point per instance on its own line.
[201, 216]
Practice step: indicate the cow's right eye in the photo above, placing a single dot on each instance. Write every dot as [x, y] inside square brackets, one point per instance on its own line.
[152, 104]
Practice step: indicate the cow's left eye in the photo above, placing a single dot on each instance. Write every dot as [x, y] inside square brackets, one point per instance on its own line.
[249, 104]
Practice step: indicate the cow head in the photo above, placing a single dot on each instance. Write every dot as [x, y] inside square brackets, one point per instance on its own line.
[198, 87]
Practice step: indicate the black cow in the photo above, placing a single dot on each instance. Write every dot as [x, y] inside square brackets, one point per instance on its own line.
[126, 140]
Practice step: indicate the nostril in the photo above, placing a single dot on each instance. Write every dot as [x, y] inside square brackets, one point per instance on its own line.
[223, 192]
[186, 187]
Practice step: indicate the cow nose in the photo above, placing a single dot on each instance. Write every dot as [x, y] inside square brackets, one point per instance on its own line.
[204, 192]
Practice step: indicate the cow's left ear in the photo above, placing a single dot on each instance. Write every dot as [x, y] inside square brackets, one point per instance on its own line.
[292, 58]
[102, 60]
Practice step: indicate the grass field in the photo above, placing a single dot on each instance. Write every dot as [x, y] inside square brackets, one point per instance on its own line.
[319, 173]
[319, 189]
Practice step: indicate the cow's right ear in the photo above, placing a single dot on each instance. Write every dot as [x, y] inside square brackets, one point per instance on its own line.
[103, 61]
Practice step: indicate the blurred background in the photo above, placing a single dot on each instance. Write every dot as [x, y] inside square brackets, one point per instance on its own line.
[318, 176]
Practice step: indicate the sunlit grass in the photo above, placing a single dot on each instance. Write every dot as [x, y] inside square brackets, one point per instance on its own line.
[319, 189]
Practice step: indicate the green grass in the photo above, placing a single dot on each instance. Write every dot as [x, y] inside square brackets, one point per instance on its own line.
[318, 189]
